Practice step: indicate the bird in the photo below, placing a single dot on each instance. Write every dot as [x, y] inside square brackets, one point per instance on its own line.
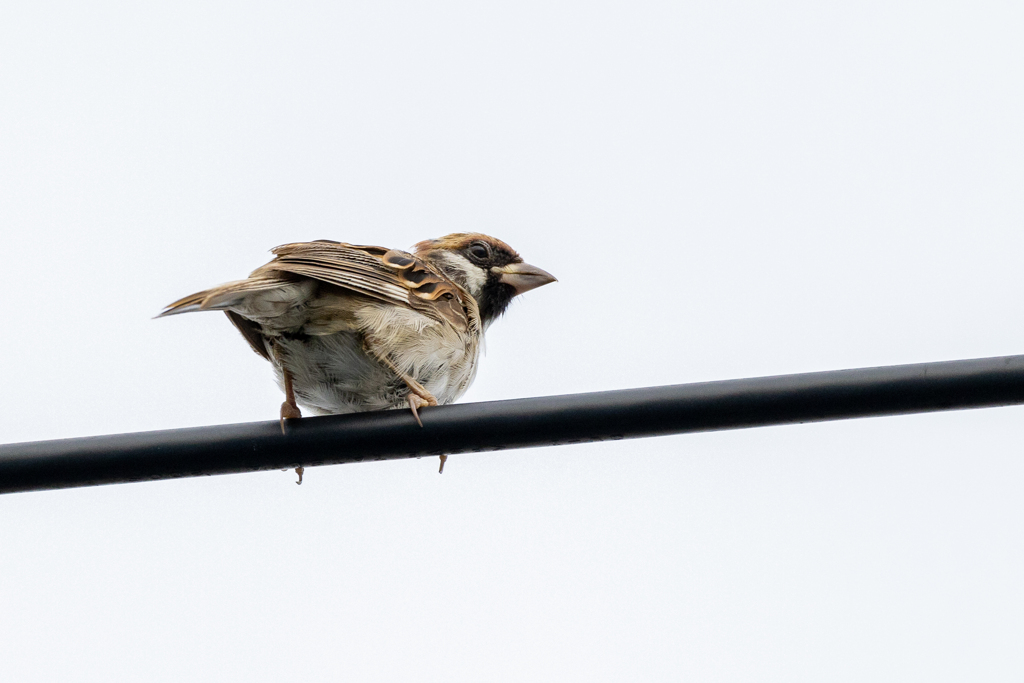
[351, 328]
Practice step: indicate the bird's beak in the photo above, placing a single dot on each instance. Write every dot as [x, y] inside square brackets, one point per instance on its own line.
[523, 277]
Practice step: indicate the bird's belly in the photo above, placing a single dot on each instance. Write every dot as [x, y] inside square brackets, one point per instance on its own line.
[332, 374]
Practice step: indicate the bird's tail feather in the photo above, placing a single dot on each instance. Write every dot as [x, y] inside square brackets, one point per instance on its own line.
[220, 298]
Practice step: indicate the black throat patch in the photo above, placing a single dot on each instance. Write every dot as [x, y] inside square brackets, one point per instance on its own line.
[494, 298]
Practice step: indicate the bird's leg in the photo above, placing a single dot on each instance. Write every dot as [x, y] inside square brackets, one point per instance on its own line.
[418, 396]
[418, 400]
[289, 409]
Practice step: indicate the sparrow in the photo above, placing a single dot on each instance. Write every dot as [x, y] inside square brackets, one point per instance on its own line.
[352, 328]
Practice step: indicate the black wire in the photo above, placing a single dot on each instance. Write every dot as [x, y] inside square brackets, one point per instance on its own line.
[520, 423]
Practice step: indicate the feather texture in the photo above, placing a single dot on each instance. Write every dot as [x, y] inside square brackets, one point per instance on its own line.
[337, 317]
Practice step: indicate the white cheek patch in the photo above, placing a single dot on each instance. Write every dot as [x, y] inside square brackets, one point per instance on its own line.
[475, 277]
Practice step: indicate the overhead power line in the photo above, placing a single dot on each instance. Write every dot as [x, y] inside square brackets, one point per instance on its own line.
[520, 423]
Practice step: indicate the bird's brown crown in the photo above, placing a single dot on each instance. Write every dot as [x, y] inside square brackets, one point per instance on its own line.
[460, 241]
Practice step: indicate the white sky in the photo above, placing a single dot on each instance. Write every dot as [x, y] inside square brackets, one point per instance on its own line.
[724, 189]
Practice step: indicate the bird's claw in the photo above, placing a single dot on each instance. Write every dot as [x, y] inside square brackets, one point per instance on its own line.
[289, 411]
[416, 402]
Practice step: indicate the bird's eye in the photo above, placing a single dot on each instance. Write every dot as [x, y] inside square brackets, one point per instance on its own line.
[480, 251]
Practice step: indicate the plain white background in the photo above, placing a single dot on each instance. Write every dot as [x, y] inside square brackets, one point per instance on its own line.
[724, 189]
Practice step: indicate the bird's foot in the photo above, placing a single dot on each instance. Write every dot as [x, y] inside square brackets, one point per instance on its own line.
[289, 411]
[299, 471]
[419, 398]
[417, 401]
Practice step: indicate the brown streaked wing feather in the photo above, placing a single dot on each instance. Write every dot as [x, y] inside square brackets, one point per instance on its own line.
[339, 264]
[385, 275]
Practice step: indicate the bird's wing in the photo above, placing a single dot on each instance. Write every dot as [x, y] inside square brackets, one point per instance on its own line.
[386, 275]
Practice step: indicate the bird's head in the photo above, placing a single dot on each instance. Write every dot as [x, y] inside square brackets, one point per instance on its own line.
[490, 270]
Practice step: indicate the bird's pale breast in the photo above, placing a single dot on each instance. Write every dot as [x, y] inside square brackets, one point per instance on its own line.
[334, 374]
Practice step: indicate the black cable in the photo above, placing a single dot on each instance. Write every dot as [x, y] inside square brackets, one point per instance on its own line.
[520, 423]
